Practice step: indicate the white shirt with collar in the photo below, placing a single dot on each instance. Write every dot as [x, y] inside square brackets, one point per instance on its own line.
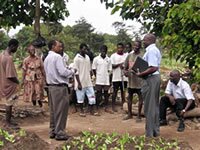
[181, 90]
[118, 72]
[153, 57]
[83, 66]
[103, 67]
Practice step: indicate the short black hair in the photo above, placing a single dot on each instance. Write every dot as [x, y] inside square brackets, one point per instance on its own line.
[139, 41]
[103, 47]
[13, 42]
[83, 45]
[51, 43]
[129, 44]
[120, 44]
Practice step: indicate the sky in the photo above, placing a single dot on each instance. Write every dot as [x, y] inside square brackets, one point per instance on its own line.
[95, 13]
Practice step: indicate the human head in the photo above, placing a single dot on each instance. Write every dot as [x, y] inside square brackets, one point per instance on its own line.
[149, 39]
[55, 46]
[103, 50]
[128, 47]
[62, 48]
[175, 76]
[137, 45]
[83, 48]
[31, 50]
[13, 45]
[120, 48]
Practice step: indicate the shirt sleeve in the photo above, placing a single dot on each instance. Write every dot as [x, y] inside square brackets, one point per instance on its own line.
[110, 65]
[63, 71]
[112, 59]
[168, 89]
[188, 92]
[152, 58]
[94, 64]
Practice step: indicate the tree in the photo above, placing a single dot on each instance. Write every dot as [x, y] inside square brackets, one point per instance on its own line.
[85, 32]
[4, 40]
[151, 13]
[16, 12]
[121, 31]
[182, 34]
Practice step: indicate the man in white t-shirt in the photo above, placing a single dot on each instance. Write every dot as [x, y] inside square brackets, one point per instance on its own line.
[83, 83]
[179, 96]
[118, 78]
[101, 68]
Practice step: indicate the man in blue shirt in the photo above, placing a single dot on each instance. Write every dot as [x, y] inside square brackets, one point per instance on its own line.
[151, 86]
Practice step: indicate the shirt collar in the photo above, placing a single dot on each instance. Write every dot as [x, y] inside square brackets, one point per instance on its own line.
[150, 46]
[179, 82]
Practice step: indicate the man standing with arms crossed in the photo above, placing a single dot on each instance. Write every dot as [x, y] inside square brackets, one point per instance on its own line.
[8, 80]
[151, 86]
[57, 79]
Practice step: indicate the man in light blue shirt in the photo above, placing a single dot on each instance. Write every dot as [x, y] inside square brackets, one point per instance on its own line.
[151, 86]
[57, 79]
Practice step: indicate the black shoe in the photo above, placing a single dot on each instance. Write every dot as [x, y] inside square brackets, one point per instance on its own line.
[52, 135]
[127, 117]
[163, 122]
[181, 126]
[62, 137]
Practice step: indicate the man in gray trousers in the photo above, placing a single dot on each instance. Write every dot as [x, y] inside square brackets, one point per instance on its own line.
[151, 86]
[57, 79]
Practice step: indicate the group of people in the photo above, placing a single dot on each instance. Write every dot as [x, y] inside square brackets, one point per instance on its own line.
[56, 72]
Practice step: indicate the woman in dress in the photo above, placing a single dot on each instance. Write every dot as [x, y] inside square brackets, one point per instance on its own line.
[33, 77]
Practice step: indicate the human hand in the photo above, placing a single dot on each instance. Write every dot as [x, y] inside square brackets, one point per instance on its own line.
[172, 100]
[182, 112]
[79, 86]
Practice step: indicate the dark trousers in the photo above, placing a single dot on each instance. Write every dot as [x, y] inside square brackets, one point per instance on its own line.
[59, 104]
[178, 107]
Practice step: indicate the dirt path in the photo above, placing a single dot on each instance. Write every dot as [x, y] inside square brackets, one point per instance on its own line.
[109, 123]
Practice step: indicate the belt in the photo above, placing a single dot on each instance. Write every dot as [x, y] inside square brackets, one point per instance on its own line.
[60, 84]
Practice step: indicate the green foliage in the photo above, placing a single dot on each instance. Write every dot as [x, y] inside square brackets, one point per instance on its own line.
[101, 141]
[151, 13]
[182, 34]
[4, 40]
[8, 137]
[16, 12]
[121, 30]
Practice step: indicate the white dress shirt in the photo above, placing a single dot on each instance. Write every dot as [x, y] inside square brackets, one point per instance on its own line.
[181, 90]
[55, 70]
[153, 57]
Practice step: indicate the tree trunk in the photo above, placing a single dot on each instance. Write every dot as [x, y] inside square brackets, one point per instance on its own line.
[37, 18]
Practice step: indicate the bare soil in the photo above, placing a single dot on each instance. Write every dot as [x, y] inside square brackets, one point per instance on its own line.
[38, 126]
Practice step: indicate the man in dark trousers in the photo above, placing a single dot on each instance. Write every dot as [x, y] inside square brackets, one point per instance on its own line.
[134, 82]
[57, 79]
[151, 86]
[8, 80]
[178, 96]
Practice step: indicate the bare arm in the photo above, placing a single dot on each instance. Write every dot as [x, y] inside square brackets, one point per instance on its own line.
[79, 83]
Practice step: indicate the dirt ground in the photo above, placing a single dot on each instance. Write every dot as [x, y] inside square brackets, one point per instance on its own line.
[106, 123]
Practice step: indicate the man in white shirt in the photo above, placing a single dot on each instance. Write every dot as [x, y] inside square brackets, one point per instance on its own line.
[179, 96]
[101, 68]
[83, 82]
[119, 81]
